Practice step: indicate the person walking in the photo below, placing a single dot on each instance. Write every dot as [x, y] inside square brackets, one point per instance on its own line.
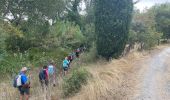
[52, 73]
[43, 77]
[24, 88]
[65, 65]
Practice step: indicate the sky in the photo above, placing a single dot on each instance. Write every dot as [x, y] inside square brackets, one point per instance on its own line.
[142, 4]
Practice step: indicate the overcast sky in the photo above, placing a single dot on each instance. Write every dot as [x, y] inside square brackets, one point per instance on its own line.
[148, 3]
[141, 5]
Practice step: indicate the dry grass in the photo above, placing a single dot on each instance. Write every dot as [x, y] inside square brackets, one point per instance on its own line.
[108, 78]
[106, 82]
[8, 92]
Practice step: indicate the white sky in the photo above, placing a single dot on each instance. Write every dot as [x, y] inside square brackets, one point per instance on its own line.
[141, 5]
[148, 3]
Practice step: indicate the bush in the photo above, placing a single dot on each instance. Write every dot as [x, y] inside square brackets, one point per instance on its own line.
[74, 83]
[67, 34]
[38, 56]
[90, 56]
[16, 43]
[11, 63]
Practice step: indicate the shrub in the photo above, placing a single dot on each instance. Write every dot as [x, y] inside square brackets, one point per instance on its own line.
[16, 43]
[73, 84]
[90, 56]
[67, 34]
[11, 63]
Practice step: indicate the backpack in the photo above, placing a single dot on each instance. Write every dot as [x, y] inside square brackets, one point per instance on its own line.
[65, 63]
[17, 81]
[42, 75]
[50, 69]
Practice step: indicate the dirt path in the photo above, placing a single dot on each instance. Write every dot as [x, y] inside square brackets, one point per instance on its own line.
[150, 80]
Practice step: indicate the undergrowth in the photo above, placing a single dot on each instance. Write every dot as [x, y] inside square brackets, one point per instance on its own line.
[11, 63]
[74, 82]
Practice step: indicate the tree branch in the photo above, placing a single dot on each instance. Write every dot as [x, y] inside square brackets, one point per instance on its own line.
[136, 2]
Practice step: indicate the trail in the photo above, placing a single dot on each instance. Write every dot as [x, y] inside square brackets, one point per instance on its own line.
[135, 77]
[152, 78]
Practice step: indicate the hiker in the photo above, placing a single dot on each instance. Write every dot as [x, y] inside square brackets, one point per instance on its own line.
[70, 59]
[24, 87]
[81, 49]
[65, 65]
[43, 76]
[77, 51]
[52, 73]
[74, 54]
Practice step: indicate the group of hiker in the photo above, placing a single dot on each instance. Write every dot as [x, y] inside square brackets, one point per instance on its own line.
[47, 75]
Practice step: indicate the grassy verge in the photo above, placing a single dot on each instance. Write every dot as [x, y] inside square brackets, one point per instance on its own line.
[74, 82]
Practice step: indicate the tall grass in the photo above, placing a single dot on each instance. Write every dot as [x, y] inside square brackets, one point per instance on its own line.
[89, 57]
[108, 79]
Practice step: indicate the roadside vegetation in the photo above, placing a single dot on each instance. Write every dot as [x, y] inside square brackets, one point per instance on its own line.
[32, 33]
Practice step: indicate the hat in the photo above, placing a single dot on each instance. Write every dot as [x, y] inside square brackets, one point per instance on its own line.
[24, 69]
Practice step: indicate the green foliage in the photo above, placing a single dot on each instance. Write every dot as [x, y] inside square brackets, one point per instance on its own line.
[11, 63]
[91, 56]
[2, 36]
[14, 39]
[90, 15]
[112, 22]
[143, 30]
[163, 19]
[89, 34]
[35, 29]
[67, 34]
[143, 35]
[16, 43]
[42, 56]
[44, 9]
[37, 32]
[74, 83]
[132, 39]
[73, 13]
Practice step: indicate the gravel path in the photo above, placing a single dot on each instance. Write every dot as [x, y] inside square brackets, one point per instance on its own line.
[154, 80]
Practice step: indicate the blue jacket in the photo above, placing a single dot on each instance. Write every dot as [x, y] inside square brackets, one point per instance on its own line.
[24, 78]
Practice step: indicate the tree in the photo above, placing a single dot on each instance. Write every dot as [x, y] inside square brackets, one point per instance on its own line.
[112, 22]
[89, 17]
[163, 19]
[73, 12]
[66, 34]
[143, 30]
[20, 10]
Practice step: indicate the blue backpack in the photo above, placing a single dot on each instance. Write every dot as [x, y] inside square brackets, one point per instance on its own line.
[50, 69]
[65, 63]
[42, 75]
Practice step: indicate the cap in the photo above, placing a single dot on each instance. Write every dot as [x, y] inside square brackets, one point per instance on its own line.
[24, 69]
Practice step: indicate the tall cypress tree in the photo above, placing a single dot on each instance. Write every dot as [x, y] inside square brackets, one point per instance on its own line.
[112, 22]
